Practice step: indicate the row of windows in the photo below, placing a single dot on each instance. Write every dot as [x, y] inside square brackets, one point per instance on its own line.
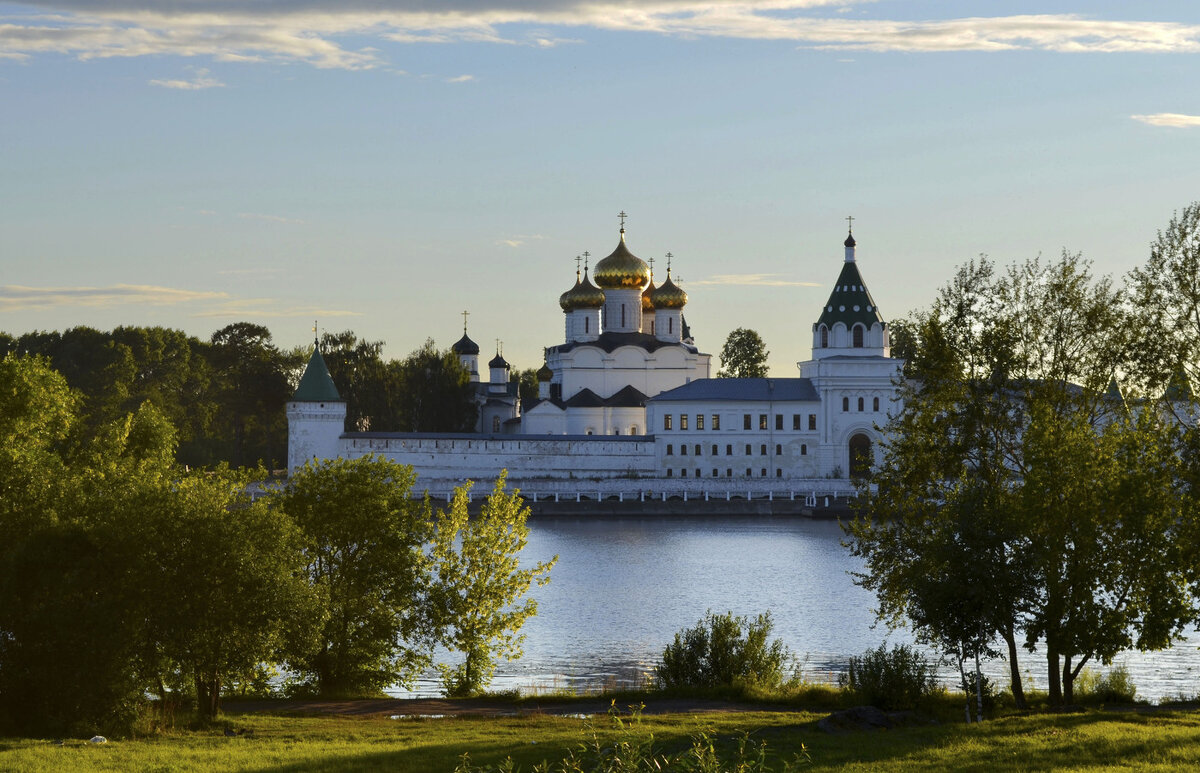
[861, 404]
[747, 420]
[683, 473]
[716, 450]
[856, 335]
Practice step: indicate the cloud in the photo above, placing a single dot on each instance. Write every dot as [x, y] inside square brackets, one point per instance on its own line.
[201, 81]
[754, 280]
[259, 308]
[269, 218]
[21, 298]
[461, 79]
[338, 35]
[519, 239]
[1176, 120]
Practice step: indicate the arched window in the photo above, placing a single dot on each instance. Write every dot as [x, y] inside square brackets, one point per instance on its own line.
[616, 430]
[715, 451]
[633, 430]
[860, 404]
[875, 404]
[804, 449]
[586, 325]
[858, 336]
[670, 449]
[860, 456]
[697, 449]
[845, 404]
[622, 315]
[778, 449]
[495, 424]
[670, 326]
[683, 450]
[824, 337]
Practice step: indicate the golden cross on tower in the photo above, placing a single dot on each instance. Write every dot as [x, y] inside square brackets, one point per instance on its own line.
[586, 255]
[622, 215]
[316, 340]
[669, 256]
[651, 262]
[578, 260]
[465, 314]
[850, 220]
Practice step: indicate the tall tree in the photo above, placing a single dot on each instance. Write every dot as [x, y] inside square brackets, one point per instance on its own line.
[437, 395]
[364, 538]
[479, 585]
[252, 391]
[744, 355]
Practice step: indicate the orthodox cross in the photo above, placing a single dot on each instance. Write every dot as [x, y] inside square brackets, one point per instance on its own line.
[465, 313]
[586, 255]
[850, 220]
[622, 215]
[669, 256]
[651, 262]
[316, 340]
[578, 259]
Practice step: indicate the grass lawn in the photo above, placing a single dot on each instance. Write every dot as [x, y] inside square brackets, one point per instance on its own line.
[1092, 740]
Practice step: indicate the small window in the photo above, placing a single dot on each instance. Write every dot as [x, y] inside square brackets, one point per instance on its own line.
[714, 472]
[749, 473]
[670, 326]
[748, 451]
[633, 430]
[669, 472]
[796, 421]
[779, 473]
[699, 421]
[728, 473]
[860, 404]
[762, 450]
[682, 421]
[845, 404]
[812, 421]
[764, 472]
[715, 450]
[778, 450]
[622, 315]
[586, 325]
[762, 421]
[683, 473]
[875, 404]
[858, 336]
[616, 430]
[824, 337]
[682, 449]
[495, 424]
[666, 421]
[803, 449]
[589, 430]
[779, 422]
[697, 472]
[729, 450]
[697, 450]
[716, 421]
[670, 450]
[745, 421]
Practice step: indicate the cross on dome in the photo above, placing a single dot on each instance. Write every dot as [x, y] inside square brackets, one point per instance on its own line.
[464, 316]
[622, 215]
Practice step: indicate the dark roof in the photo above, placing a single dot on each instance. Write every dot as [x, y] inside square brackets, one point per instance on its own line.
[850, 302]
[1179, 390]
[316, 385]
[528, 405]
[465, 345]
[849, 241]
[498, 362]
[625, 398]
[610, 342]
[758, 389]
[490, 436]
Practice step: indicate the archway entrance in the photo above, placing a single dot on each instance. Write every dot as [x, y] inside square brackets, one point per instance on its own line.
[861, 457]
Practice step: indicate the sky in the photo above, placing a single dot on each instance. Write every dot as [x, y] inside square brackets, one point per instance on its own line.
[382, 166]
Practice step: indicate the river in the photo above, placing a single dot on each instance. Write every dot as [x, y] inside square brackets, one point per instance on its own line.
[623, 586]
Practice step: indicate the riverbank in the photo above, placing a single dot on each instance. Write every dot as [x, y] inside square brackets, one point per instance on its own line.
[1150, 740]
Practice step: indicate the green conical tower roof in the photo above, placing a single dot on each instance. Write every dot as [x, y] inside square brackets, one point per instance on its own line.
[1178, 388]
[316, 385]
[1113, 393]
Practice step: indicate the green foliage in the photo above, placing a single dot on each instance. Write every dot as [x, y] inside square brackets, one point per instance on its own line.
[889, 679]
[364, 539]
[633, 749]
[479, 585]
[724, 650]
[744, 355]
[1115, 686]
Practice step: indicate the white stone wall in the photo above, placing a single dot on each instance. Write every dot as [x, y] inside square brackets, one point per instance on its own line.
[314, 430]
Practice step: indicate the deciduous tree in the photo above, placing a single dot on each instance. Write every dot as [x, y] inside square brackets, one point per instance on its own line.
[744, 355]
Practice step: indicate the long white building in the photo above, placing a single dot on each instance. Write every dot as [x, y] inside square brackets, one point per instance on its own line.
[627, 403]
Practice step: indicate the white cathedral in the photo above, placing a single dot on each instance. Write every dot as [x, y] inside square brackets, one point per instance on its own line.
[627, 402]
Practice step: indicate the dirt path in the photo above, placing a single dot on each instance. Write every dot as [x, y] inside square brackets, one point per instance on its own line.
[482, 707]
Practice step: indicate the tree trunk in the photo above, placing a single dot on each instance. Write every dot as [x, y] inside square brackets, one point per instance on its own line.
[1068, 675]
[1018, 691]
[966, 688]
[1054, 675]
[978, 689]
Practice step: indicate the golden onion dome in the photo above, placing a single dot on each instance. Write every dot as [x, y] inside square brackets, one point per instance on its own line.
[648, 297]
[669, 296]
[584, 295]
[622, 270]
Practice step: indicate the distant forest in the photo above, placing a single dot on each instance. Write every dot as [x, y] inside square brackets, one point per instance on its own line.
[227, 396]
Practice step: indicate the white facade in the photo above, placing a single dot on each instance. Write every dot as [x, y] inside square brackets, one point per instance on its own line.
[631, 408]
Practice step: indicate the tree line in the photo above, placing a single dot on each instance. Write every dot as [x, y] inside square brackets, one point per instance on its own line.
[1040, 490]
[123, 574]
[226, 396]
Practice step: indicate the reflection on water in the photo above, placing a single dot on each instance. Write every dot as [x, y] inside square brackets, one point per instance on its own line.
[624, 586]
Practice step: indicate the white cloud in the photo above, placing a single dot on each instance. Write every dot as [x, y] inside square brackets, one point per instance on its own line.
[319, 33]
[21, 298]
[754, 280]
[202, 81]
[269, 218]
[519, 239]
[1176, 120]
[461, 79]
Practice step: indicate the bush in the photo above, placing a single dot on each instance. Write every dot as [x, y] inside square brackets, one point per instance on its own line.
[889, 679]
[726, 651]
[1114, 687]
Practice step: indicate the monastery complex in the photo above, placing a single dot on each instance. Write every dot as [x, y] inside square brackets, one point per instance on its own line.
[628, 405]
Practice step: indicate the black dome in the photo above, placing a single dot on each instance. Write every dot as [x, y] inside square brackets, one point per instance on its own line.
[465, 346]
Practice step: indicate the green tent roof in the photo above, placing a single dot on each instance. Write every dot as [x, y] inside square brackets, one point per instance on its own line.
[316, 385]
[850, 302]
[1178, 388]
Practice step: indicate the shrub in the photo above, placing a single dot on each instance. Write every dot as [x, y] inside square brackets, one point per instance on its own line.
[724, 651]
[1114, 687]
[889, 679]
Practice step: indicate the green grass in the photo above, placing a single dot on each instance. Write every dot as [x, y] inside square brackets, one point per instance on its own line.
[1165, 740]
